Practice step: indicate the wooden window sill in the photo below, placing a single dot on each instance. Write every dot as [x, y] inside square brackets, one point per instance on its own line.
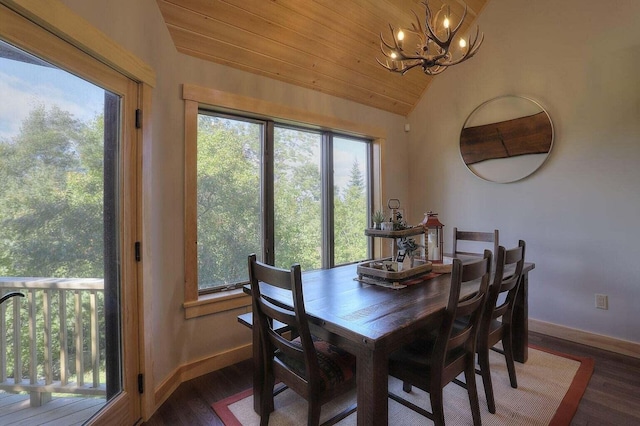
[216, 302]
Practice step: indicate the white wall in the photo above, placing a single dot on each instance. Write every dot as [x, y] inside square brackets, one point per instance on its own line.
[138, 26]
[579, 213]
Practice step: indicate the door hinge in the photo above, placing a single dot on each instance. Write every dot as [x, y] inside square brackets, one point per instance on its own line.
[138, 118]
[137, 249]
[140, 383]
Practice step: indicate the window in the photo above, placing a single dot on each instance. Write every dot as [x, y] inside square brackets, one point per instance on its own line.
[297, 182]
[235, 177]
[292, 193]
[351, 199]
[229, 202]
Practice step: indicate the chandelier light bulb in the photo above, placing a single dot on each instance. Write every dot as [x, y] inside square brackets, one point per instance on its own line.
[446, 23]
[463, 43]
[400, 35]
[393, 55]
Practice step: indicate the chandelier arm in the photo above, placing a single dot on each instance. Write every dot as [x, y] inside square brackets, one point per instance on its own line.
[451, 33]
[432, 71]
[471, 50]
[402, 70]
[419, 31]
[395, 46]
[430, 31]
[384, 43]
[402, 56]
[385, 65]
[464, 15]
[431, 35]
[409, 57]
[408, 67]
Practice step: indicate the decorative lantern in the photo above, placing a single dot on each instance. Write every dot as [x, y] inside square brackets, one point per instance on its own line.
[433, 230]
[396, 217]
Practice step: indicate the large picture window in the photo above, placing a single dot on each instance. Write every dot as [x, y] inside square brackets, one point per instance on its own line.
[307, 203]
[288, 184]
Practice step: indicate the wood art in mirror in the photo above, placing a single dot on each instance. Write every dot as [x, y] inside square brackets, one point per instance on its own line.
[506, 139]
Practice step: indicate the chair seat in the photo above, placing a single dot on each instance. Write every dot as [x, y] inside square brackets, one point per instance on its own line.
[336, 365]
[417, 356]
[459, 324]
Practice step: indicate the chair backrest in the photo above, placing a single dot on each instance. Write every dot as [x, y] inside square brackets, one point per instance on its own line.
[456, 343]
[509, 265]
[265, 280]
[484, 237]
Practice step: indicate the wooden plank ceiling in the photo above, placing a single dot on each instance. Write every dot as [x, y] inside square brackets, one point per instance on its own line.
[326, 45]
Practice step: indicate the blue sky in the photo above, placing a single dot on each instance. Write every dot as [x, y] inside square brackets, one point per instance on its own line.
[23, 86]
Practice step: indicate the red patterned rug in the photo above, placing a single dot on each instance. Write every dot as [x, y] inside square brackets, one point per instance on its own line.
[550, 386]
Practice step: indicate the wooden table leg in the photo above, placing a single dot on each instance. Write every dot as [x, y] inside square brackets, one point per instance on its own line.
[373, 405]
[520, 326]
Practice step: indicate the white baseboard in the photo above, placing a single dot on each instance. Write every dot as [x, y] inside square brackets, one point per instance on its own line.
[600, 341]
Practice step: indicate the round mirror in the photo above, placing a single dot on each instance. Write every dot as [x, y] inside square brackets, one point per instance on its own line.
[506, 139]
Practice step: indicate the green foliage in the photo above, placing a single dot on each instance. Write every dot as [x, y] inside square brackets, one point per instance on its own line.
[350, 219]
[378, 217]
[229, 208]
[229, 203]
[298, 198]
[51, 221]
[51, 197]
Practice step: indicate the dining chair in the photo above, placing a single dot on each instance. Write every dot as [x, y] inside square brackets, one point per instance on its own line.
[313, 368]
[435, 359]
[495, 325]
[474, 236]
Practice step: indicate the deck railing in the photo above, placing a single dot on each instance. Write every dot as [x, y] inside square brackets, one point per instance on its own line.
[64, 342]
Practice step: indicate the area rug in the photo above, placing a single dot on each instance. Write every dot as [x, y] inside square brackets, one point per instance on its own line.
[550, 386]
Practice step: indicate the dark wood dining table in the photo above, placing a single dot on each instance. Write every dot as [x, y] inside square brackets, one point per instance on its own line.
[372, 321]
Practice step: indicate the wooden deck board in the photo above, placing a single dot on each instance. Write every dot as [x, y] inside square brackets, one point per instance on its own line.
[60, 410]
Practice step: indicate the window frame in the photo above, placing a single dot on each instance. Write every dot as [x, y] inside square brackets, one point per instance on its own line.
[197, 98]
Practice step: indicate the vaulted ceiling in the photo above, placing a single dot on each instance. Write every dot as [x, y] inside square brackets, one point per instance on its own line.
[325, 45]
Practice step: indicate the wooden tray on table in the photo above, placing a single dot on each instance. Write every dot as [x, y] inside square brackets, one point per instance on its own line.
[374, 272]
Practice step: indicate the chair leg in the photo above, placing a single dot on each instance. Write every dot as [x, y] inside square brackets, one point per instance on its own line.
[485, 371]
[470, 378]
[266, 406]
[437, 405]
[406, 386]
[313, 416]
[265, 409]
[508, 354]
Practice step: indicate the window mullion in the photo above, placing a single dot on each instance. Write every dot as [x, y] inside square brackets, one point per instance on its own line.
[370, 206]
[327, 201]
[268, 205]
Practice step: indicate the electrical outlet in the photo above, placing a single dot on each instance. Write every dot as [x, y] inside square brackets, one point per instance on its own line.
[602, 301]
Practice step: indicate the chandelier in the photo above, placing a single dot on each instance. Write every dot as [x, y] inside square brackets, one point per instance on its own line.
[433, 50]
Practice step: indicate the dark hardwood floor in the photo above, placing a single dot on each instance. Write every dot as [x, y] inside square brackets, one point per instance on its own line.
[612, 397]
